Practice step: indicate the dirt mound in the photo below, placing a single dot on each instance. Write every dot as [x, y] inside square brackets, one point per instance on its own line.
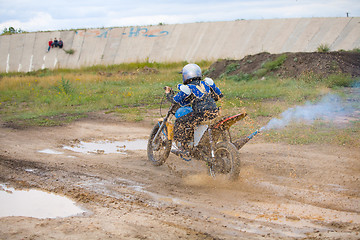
[289, 64]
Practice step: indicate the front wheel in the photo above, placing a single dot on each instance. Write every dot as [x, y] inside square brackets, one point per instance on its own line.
[227, 161]
[158, 151]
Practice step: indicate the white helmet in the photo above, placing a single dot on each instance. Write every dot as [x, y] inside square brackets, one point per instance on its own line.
[191, 71]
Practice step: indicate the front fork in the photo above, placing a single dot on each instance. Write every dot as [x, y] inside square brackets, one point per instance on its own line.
[153, 143]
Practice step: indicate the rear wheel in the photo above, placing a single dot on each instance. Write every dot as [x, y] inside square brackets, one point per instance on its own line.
[227, 161]
[159, 150]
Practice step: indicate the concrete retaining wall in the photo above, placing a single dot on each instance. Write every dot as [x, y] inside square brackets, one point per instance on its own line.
[178, 42]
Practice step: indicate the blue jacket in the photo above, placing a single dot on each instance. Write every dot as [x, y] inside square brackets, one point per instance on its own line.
[200, 94]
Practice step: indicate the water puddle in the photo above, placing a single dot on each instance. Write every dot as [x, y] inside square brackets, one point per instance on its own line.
[49, 151]
[35, 203]
[106, 146]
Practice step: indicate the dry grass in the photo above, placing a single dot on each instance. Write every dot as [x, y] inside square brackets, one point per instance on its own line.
[54, 97]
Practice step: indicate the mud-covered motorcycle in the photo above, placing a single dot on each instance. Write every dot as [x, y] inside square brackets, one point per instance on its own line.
[211, 142]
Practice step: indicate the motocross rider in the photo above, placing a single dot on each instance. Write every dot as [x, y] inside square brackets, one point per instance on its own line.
[201, 96]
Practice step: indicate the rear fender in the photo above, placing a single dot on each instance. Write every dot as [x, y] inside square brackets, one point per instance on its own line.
[226, 122]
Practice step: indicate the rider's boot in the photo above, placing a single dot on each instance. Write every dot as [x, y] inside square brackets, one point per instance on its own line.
[182, 150]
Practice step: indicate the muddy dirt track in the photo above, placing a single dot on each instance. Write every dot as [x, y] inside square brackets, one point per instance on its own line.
[284, 191]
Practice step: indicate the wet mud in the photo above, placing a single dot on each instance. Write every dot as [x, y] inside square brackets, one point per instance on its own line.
[284, 191]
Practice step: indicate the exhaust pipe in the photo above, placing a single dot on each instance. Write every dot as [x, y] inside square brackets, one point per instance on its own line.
[242, 141]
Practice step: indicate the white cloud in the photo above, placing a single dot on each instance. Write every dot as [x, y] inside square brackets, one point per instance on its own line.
[36, 15]
[41, 20]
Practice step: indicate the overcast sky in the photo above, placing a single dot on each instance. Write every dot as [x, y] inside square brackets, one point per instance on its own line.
[40, 15]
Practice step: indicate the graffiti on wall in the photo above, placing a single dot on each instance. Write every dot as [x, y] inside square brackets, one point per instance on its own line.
[145, 32]
[132, 32]
[100, 33]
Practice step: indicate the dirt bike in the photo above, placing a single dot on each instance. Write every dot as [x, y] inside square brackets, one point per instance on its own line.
[211, 142]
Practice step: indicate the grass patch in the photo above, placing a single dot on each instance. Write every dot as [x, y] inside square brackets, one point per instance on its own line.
[231, 68]
[325, 133]
[270, 66]
[38, 96]
[339, 80]
[331, 81]
[239, 77]
[54, 97]
[289, 90]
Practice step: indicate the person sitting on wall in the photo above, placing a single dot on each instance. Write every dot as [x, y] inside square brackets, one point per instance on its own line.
[55, 43]
[61, 44]
[50, 44]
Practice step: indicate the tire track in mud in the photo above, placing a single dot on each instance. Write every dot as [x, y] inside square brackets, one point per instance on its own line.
[280, 194]
[119, 194]
[249, 217]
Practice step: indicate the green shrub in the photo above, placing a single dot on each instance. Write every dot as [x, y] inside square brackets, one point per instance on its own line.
[231, 68]
[269, 66]
[273, 65]
[323, 48]
[64, 86]
[70, 51]
[260, 72]
[339, 80]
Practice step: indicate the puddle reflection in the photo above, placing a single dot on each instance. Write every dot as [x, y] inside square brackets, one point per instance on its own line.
[35, 203]
[49, 151]
[105, 147]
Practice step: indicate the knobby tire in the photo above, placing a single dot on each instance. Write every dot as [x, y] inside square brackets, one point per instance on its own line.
[158, 155]
[227, 161]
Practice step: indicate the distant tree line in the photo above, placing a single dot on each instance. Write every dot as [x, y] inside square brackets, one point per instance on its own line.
[11, 30]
